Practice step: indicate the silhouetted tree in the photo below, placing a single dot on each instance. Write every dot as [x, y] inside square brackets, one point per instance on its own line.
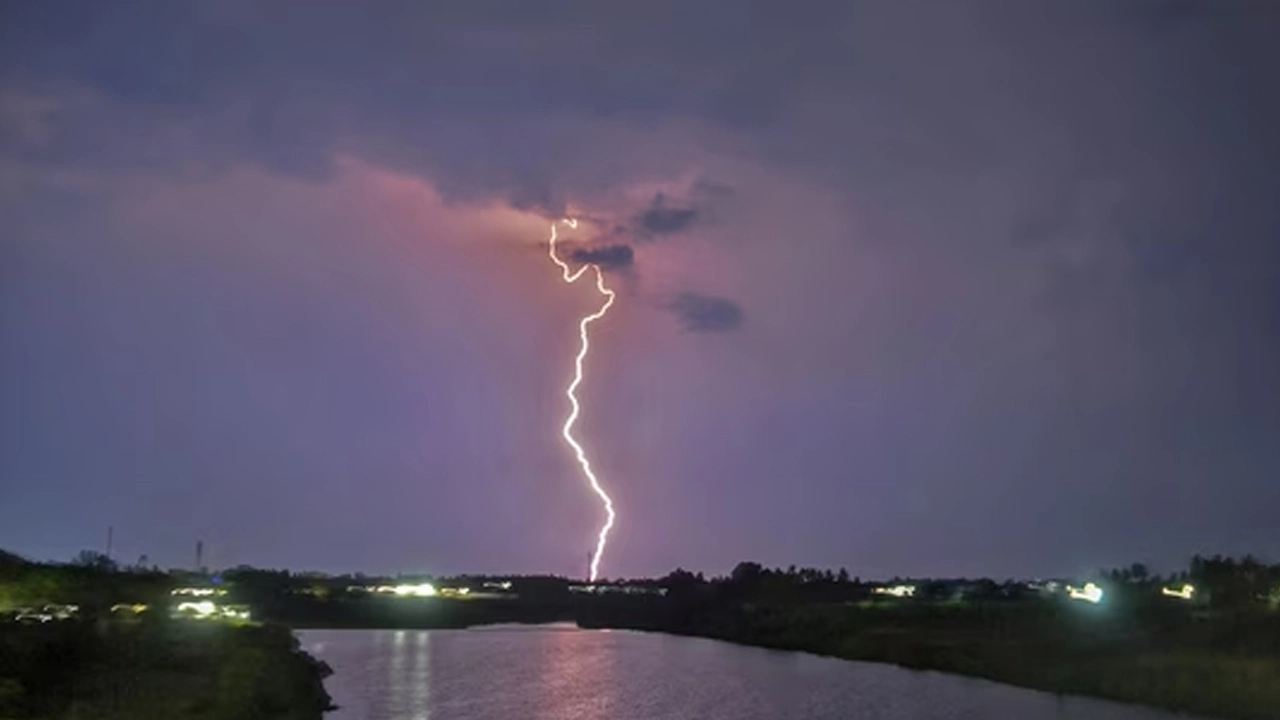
[746, 573]
[94, 560]
[1138, 573]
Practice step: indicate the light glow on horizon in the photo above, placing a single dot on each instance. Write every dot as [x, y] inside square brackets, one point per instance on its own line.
[420, 590]
[1089, 593]
[898, 591]
[571, 392]
[204, 608]
[197, 592]
[209, 610]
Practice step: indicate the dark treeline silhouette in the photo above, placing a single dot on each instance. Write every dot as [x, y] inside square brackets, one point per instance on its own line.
[94, 581]
[1216, 653]
[1219, 582]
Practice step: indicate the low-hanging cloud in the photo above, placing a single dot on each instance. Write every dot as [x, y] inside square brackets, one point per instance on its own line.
[707, 313]
[661, 219]
[608, 257]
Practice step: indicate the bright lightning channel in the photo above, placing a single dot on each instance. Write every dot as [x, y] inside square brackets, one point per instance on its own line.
[571, 392]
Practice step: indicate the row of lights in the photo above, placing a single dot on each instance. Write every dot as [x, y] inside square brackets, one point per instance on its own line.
[206, 609]
[618, 589]
[1089, 592]
[1093, 594]
[198, 591]
[415, 590]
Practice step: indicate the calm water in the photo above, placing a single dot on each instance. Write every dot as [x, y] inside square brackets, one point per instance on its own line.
[563, 672]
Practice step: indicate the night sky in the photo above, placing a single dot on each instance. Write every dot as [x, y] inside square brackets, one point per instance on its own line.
[951, 288]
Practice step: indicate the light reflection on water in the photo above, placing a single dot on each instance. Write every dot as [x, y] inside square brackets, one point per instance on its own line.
[562, 673]
[420, 675]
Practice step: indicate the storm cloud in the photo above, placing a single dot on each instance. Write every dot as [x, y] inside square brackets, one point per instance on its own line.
[660, 218]
[1035, 237]
[608, 257]
[706, 313]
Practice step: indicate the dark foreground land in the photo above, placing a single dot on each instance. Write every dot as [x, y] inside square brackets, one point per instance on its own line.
[1213, 654]
[156, 670]
[1224, 665]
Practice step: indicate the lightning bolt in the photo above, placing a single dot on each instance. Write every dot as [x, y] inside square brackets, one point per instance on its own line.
[571, 392]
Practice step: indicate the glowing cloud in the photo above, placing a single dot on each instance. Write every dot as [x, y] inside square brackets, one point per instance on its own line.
[571, 392]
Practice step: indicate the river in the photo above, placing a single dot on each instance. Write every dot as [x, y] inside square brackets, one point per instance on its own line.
[560, 672]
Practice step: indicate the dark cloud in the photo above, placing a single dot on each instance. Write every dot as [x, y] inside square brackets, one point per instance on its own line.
[608, 257]
[662, 219]
[450, 93]
[1091, 232]
[707, 313]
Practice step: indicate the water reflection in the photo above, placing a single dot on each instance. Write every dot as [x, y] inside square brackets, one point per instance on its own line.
[387, 673]
[555, 673]
[572, 680]
[421, 676]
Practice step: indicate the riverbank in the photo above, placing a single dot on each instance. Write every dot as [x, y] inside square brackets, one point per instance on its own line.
[1225, 667]
[157, 670]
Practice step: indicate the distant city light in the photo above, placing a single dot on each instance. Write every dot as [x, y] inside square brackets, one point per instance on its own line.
[1089, 593]
[1186, 592]
[412, 590]
[1045, 586]
[198, 592]
[898, 591]
[207, 609]
[422, 590]
[203, 608]
[618, 589]
[48, 613]
[235, 612]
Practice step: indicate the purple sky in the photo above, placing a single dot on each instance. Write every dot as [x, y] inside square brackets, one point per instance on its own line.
[919, 288]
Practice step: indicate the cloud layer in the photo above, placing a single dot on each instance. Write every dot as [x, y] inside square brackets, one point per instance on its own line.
[1007, 264]
[706, 313]
[608, 257]
[662, 219]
